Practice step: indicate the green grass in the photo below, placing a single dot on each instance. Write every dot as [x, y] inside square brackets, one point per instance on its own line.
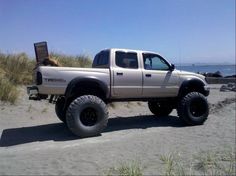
[219, 162]
[126, 169]
[8, 91]
[72, 61]
[17, 69]
[210, 163]
[216, 162]
[169, 163]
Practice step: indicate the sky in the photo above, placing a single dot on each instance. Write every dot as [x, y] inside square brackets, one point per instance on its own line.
[186, 31]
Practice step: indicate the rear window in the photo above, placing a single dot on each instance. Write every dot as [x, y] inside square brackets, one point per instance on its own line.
[101, 60]
[127, 60]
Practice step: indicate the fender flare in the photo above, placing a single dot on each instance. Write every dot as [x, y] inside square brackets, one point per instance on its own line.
[77, 81]
[192, 84]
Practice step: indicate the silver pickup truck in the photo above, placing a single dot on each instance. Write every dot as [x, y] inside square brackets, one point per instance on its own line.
[81, 94]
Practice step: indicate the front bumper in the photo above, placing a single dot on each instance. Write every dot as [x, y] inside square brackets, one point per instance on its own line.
[206, 90]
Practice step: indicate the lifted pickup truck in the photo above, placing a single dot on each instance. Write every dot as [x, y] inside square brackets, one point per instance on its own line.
[120, 75]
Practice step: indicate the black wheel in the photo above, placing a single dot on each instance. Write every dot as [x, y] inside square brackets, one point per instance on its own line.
[193, 108]
[61, 114]
[160, 108]
[87, 116]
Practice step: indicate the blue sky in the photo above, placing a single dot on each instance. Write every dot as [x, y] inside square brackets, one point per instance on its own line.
[187, 31]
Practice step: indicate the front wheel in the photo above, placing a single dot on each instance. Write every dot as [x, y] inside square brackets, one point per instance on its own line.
[193, 108]
[87, 116]
[160, 108]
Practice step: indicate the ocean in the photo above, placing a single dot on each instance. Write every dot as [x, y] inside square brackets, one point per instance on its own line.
[226, 70]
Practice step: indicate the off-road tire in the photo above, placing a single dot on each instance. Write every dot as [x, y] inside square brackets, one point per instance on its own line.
[160, 108]
[193, 108]
[59, 106]
[87, 116]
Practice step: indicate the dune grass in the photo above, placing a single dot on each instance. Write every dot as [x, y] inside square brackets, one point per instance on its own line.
[72, 61]
[210, 162]
[127, 169]
[17, 69]
[8, 91]
[215, 162]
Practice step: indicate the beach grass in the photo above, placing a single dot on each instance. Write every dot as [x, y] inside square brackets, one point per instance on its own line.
[128, 169]
[17, 69]
[204, 162]
[210, 162]
[72, 61]
[8, 91]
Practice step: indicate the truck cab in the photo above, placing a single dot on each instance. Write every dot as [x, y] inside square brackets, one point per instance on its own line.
[139, 74]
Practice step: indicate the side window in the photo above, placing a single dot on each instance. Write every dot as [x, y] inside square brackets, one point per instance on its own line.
[154, 62]
[126, 60]
[101, 60]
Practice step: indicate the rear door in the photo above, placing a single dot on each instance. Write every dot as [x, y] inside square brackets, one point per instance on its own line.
[127, 75]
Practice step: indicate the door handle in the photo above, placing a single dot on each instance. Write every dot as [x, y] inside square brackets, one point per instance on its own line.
[119, 74]
[148, 75]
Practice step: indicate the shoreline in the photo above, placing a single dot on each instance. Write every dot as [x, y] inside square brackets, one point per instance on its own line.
[204, 65]
[213, 80]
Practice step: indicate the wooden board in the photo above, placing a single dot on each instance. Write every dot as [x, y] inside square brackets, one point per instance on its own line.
[41, 51]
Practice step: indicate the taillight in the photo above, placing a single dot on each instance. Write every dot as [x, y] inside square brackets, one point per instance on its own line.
[39, 79]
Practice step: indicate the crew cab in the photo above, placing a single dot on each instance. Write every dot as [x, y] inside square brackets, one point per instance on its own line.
[81, 94]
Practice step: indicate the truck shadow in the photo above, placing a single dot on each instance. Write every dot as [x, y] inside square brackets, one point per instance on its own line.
[59, 131]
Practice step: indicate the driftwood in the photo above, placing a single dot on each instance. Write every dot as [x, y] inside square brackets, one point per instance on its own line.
[228, 87]
[51, 62]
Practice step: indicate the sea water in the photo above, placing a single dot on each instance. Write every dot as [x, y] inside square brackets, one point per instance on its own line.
[226, 70]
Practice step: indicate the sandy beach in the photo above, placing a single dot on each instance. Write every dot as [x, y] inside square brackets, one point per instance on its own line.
[33, 141]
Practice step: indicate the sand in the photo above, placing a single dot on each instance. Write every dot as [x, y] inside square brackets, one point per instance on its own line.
[33, 141]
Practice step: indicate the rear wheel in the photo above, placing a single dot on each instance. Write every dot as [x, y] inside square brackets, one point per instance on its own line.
[59, 106]
[193, 108]
[160, 108]
[87, 116]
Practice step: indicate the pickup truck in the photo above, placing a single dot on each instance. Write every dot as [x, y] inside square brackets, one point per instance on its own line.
[81, 95]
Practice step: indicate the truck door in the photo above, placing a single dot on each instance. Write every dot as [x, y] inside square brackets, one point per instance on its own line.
[127, 75]
[158, 78]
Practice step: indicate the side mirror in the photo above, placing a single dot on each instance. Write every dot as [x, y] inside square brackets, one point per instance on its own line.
[172, 67]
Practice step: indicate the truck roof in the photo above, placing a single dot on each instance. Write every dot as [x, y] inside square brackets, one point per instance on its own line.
[130, 50]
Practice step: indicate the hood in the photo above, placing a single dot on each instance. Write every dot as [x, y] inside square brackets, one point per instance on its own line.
[186, 73]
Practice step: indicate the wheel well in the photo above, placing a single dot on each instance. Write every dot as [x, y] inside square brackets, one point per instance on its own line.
[79, 87]
[191, 86]
[88, 88]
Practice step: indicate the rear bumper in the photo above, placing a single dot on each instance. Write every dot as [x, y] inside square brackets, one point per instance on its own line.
[33, 93]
